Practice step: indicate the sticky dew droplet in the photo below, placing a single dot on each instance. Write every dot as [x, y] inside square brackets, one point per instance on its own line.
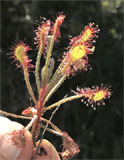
[94, 108]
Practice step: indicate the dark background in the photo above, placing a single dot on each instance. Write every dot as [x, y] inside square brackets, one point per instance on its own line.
[99, 133]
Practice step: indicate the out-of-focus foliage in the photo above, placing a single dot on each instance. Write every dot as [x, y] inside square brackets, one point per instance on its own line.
[99, 133]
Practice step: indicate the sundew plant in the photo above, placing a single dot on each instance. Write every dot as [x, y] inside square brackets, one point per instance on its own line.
[74, 59]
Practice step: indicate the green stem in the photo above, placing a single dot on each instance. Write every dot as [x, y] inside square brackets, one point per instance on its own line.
[51, 130]
[31, 123]
[63, 101]
[29, 85]
[37, 68]
[55, 87]
[58, 78]
[49, 54]
[47, 60]
[56, 129]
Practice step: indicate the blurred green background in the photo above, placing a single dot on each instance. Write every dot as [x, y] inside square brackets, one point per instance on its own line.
[99, 133]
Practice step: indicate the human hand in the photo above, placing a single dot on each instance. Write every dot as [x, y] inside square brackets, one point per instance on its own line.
[16, 143]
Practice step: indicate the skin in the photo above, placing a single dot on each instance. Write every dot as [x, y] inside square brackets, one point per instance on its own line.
[47, 151]
[8, 150]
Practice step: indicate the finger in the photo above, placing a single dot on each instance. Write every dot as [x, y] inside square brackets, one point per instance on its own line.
[15, 141]
[46, 151]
